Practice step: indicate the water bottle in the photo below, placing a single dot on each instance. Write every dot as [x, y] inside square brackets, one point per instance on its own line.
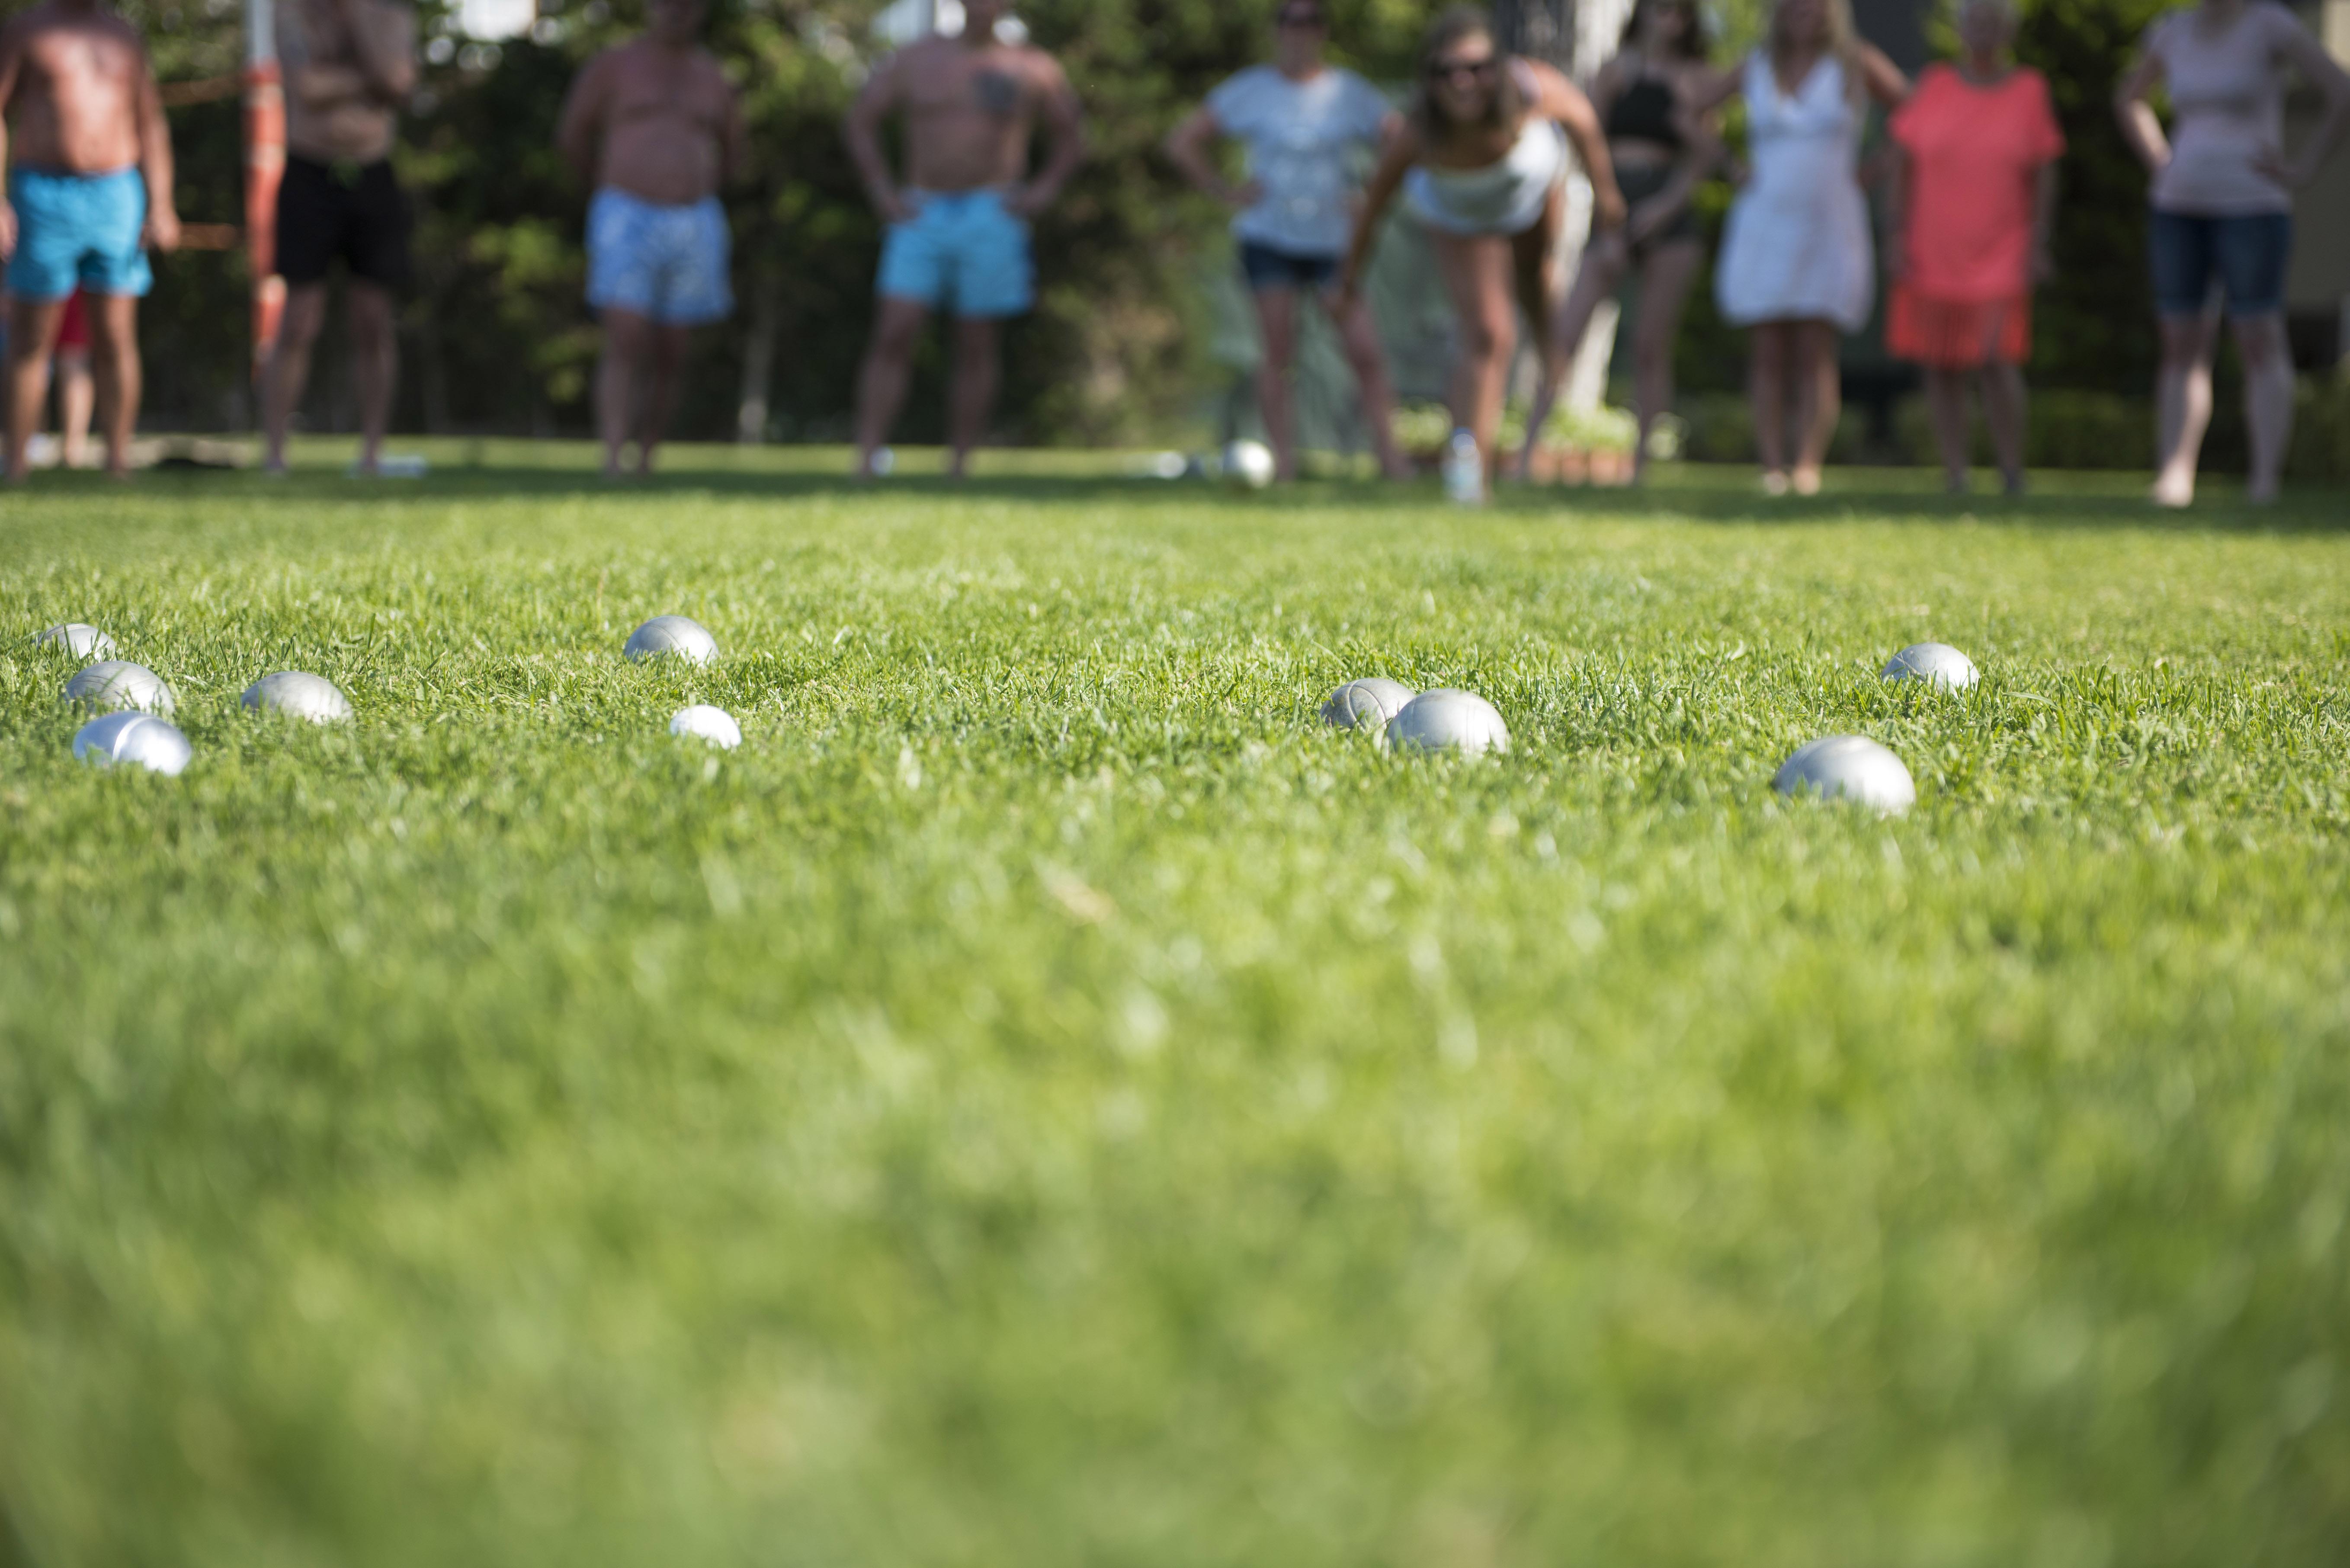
[1464, 470]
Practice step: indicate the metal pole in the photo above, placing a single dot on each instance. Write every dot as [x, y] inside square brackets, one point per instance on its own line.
[265, 167]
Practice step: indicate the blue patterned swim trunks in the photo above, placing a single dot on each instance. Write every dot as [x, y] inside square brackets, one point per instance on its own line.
[962, 253]
[665, 264]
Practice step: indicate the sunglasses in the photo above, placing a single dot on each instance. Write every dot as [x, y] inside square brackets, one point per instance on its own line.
[1455, 70]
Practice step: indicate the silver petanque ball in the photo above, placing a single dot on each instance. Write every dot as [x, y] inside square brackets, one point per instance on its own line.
[673, 636]
[76, 639]
[1366, 705]
[1447, 721]
[132, 740]
[1848, 767]
[115, 683]
[703, 722]
[1248, 464]
[1936, 663]
[298, 695]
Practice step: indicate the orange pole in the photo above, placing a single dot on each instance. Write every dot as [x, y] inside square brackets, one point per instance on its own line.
[265, 167]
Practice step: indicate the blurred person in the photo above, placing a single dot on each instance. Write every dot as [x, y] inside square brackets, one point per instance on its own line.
[1482, 162]
[350, 64]
[654, 125]
[76, 386]
[1303, 121]
[957, 229]
[2223, 215]
[1661, 149]
[1795, 264]
[1972, 202]
[89, 192]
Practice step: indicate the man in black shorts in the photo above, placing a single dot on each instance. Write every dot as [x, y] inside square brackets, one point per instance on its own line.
[350, 64]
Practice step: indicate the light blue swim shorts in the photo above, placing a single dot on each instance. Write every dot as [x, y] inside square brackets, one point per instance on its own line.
[665, 264]
[961, 252]
[77, 229]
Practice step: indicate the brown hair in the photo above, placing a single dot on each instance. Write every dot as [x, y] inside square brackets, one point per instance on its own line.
[1509, 105]
[1696, 43]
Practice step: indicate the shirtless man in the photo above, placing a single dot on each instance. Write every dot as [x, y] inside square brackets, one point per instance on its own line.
[89, 189]
[654, 127]
[350, 64]
[958, 237]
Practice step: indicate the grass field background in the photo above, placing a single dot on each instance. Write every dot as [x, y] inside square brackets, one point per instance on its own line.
[1046, 1100]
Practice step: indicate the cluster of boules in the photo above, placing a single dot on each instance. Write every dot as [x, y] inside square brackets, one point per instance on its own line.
[133, 704]
[1444, 720]
[683, 638]
[1862, 772]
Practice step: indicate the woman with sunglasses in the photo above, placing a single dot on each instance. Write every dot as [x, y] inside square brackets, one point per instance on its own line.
[1482, 162]
[1796, 266]
[1662, 150]
[1304, 123]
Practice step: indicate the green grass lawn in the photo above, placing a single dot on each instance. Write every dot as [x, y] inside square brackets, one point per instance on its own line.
[1044, 1100]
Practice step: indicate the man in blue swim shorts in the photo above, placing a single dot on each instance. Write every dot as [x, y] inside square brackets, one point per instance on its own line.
[654, 125]
[90, 189]
[958, 228]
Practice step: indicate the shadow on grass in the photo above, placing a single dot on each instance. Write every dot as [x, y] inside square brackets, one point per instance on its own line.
[1681, 494]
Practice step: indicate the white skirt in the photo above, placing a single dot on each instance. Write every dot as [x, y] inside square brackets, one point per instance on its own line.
[1796, 246]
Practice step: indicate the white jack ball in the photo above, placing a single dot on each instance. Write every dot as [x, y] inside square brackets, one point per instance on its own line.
[1366, 705]
[1848, 767]
[76, 639]
[673, 636]
[703, 722]
[1936, 663]
[1248, 464]
[1447, 721]
[298, 696]
[132, 740]
[113, 684]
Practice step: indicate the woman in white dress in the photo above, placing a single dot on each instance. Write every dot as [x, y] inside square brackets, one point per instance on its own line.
[1795, 264]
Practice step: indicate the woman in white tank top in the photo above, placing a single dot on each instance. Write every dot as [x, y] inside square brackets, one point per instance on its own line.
[2223, 215]
[1482, 162]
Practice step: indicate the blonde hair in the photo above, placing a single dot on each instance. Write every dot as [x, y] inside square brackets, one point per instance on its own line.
[1842, 41]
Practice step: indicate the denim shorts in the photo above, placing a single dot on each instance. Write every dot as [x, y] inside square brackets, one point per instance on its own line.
[1267, 268]
[2247, 255]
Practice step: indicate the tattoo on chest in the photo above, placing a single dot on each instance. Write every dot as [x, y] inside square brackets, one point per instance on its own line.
[998, 92]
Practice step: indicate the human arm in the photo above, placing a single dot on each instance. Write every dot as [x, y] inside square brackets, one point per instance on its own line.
[162, 227]
[1396, 159]
[861, 129]
[1712, 88]
[2320, 71]
[1881, 78]
[1065, 134]
[1187, 147]
[12, 65]
[1701, 152]
[580, 129]
[1559, 100]
[383, 48]
[2140, 130]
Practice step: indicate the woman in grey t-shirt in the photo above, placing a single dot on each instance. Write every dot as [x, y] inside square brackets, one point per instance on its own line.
[1307, 127]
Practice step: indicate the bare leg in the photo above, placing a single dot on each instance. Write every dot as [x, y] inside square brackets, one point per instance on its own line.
[375, 365]
[1945, 404]
[1476, 271]
[32, 339]
[1819, 401]
[2004, 407]
[2268, 398]
[1358, 336]
[978, 371]
[1664, 290]
[2182, 405]
[1605, 261]
[620, 377]
[1541, 294]
[1768, 352]
[1276, 320]
[888, 368]
[289, 369]
[77, 397]
[666, 345]
[114, 357]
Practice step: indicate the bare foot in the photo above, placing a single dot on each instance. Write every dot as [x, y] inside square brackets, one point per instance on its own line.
[2012, 482]
[1806, 482]
[2263, 494]
[1774, 483]
[2174, 490]
[1955, 482]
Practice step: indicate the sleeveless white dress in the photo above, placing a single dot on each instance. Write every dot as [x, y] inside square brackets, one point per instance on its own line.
[1796, 244]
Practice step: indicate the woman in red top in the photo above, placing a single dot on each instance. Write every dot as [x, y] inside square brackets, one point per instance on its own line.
[1975, 190]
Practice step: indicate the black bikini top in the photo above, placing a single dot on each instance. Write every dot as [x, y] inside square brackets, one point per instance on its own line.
[1644, 112]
